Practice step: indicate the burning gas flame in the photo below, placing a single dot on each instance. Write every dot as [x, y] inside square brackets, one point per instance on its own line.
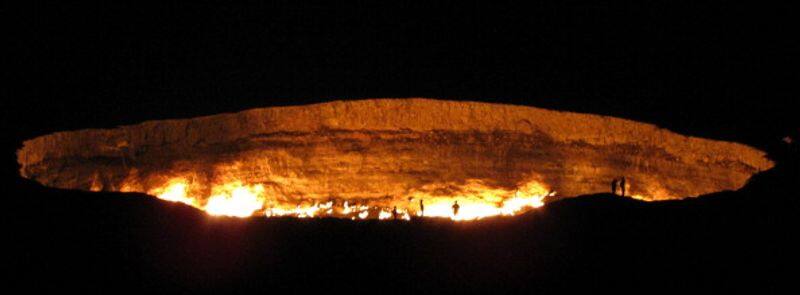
[235, 198]
[175, 191]
[483, 202]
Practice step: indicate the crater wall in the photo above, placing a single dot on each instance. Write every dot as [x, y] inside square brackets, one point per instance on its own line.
[390, 147]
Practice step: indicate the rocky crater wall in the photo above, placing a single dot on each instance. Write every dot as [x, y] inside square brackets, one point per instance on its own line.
[380, 148]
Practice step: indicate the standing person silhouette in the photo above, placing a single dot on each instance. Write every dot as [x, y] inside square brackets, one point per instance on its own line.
[421, 208]
[622, 185]
[394, 213]
[455, 208]
[614, 186]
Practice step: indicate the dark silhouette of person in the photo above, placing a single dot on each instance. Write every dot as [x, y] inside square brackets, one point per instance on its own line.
[394, 213]
[421, 208]
[455, 208]
[614, 186]
[622, 185]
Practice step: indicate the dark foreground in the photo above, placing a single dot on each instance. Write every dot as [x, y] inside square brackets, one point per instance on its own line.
[62, 240]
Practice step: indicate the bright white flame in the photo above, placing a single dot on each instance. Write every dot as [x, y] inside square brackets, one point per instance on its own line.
[346, 209]
[475, 200]
[384, 214]
[236, 200]
[479, 201]
[175, 191]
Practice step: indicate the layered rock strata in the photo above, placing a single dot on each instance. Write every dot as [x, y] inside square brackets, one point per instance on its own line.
[390, 148]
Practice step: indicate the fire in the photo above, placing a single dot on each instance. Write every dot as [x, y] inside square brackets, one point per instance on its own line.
[652, 194]
[384, 214]
[302, 211]
[175, 191]
[230, 199]
[235, 198]
[481, 202]
[387, 159]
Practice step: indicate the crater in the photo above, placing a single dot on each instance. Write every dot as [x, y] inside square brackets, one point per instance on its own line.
[387, 158]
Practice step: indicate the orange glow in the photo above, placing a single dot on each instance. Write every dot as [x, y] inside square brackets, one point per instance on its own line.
[235, 199]
[475, 198]
[387, 159]
[652, 194]
[238, 199]
[480, 201]
[174, 191]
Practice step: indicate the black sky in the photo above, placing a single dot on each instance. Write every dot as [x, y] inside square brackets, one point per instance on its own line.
[718, 70]
[721, 70]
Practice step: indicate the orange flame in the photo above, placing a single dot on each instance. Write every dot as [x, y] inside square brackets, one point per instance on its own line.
[175, 191]
[480, 201]
[235, 198]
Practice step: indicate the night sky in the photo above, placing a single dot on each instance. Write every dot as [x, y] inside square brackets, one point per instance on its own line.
[720, 70]
[714, 70]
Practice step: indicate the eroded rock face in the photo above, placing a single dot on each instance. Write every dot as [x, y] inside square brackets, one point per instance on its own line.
[390, 148]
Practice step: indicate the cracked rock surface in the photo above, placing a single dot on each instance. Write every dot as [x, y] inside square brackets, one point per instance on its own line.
[389, 147]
